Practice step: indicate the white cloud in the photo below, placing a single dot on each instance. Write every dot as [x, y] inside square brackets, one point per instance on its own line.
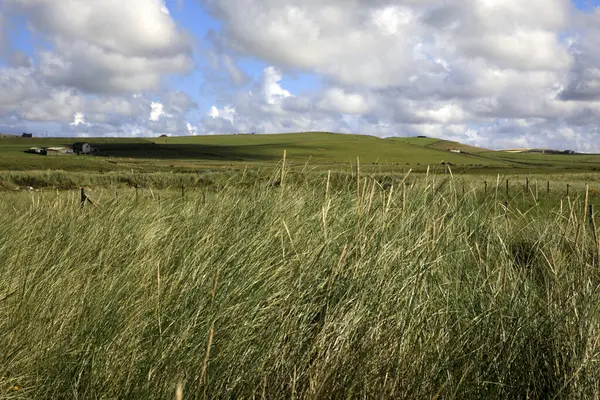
[337, 100]
[227, 113]
[78, 119]
[158, 111]
[192, 130]
[164, 9]
[103, 46]
[272, 91]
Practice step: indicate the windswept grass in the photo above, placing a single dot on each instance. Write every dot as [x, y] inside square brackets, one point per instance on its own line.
[302, 289]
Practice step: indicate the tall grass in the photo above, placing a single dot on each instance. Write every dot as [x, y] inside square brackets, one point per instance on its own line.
[308, 289]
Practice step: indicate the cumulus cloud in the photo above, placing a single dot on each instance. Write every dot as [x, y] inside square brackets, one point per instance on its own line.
[351, 41]
[158, 110]
[78, 119]
[106, 46]
[337, 100]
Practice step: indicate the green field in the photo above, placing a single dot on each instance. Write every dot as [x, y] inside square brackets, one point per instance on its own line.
[322, 150]
[353, 267]
[315, 287]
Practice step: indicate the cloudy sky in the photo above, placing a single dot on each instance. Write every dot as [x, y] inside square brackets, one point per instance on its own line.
[493, 73]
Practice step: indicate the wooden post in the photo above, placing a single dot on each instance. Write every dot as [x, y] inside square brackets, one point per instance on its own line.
[82, 196]
[507, 188]
[463, 189]
[485, 187]
[182, 191]
[585, 204]
[548, 187]
[594, 235]
[527, 184]
[567, 190]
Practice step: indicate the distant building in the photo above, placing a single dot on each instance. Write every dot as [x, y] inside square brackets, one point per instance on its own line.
[59, 150]
[454, 150]
[163, 136]
[27, 135]
[82, 148]
[36, 150]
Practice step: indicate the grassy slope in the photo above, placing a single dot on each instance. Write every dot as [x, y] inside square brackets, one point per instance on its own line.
[439, 144]
[321, 148]
[298, 294]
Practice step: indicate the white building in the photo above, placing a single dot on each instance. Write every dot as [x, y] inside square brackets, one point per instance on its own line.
[82, 148]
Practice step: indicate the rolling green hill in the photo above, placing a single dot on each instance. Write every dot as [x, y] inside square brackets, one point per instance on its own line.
[197, 151]
[440, 144]
[321, 149]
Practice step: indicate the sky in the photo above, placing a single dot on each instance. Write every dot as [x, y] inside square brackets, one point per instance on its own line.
[490, 73]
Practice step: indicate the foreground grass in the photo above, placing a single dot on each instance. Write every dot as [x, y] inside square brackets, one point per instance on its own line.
[300, 289]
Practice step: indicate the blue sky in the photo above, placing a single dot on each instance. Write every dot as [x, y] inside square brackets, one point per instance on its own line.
[499, 74]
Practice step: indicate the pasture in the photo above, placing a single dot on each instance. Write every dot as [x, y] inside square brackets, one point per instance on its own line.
[213, 268]
[323, 151]
[285, 283]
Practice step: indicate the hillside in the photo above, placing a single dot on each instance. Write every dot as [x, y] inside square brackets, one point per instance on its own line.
[440, 144]
[320, 149]
[226, 150]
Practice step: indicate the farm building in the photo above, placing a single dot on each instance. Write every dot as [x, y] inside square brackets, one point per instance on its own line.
[27, 135]
[59, 150]
[36, 150]
[82, 148]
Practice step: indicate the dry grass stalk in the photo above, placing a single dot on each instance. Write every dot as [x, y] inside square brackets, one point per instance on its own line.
[358, 180]
[179, 391]
[202, 383]
[404, 197]
[389, 200]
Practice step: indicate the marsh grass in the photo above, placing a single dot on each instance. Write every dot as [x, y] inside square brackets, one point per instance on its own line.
[326, 286]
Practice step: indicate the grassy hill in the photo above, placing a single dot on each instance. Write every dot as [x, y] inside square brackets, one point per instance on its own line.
[321, 149]
[440, 144]
[197, 151]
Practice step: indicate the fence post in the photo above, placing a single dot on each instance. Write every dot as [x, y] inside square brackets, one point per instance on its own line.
[507, 188]
[182, 191]
[485, 187]
[594, 235]
[82, 196]
[527, 184]
[567, 190]
[548, 188]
